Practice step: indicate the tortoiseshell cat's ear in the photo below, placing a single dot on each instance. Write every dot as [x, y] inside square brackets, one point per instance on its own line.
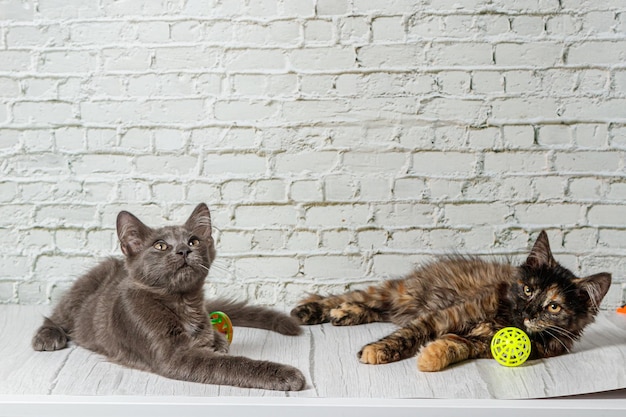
[596, 286]
[131, 232]
[540, 254]
[200, 221]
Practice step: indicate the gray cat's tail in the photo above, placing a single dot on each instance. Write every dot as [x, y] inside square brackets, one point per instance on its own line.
[242, 314]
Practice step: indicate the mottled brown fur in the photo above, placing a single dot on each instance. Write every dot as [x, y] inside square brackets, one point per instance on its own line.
[148, 311]
[449, 310]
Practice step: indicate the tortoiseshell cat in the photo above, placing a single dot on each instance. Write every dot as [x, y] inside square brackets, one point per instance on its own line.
[449, 310]
[149, 312]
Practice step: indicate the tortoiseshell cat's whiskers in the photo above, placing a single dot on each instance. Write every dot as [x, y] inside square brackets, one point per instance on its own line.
[455, 305]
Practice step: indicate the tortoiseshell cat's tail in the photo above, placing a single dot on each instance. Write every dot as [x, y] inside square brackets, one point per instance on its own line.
[244, 315]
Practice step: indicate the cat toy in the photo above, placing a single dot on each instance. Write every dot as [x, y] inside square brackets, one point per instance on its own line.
[510, 346]
[221, 322]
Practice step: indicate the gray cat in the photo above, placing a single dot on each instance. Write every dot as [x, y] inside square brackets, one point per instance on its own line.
[148, 312]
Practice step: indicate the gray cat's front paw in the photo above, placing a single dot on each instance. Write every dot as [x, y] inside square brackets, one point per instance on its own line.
[49, 338]
[220, 344]
[287, 378]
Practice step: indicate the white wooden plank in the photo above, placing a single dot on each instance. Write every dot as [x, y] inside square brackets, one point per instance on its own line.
[327, 356]
[22, 370]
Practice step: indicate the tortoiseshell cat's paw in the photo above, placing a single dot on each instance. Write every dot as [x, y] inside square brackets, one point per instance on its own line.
[433, 357]
[310, 313]
[378, 353]
[49, 338]
[348, 314]
[440, 353]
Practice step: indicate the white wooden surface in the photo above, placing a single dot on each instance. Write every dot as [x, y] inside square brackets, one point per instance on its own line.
[327, 356]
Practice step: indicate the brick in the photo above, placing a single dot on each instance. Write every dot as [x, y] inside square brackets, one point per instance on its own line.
[518, 136]
[15, 61]
[443, 163]
[354, 30]
[585, 188]
[302, 240]
[393, 266]
[400, 214]
[391, 56]
[546, 214]
[549, 188]
[525, 108]
[39, 36]
[528, 25]
[562, 25]
[343, 215]
[337, 240]
[388, 29]
[331, 7]
[318, 31]
[254, 59]
[234, 241]
[587, 161]
[303, 110]
[270, 191]
[516, 162]
[607, 214]
[409, 188]
[219, 164]
[137, 192]
[120, 59]
[300, 8]
[67, 61]
[164, 85]
[184, 58]
[554, 135]
[245, 110]
[21, 12]
[452, 108]
[340, 188]
[539, 53]
[59, 215]
[60, 9]
[101, 164]
[268, 240]
[487, 82]
[454, 82]
[377, 162]
[460, 54]
[597, 53]
[330, 267]
[305, 190]
[267, 215]
[464, 214]
[47, 112]
[520, 81]
[311, 59]
[375, 189]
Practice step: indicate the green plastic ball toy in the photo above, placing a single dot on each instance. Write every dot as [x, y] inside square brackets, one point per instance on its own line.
[510, 346]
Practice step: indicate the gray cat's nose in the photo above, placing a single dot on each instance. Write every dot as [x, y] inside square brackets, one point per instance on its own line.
[184, 252]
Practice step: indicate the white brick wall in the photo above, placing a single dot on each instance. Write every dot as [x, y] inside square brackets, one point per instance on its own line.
[336, 141]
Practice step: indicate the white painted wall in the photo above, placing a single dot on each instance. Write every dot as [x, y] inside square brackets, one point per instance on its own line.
[336, 141]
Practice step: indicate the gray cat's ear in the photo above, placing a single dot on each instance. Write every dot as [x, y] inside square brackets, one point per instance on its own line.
[200, 221]
[131, 232]
[596, 286]
[540, 254]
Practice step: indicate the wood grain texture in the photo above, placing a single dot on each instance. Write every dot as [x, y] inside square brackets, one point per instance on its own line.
[327, 356]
